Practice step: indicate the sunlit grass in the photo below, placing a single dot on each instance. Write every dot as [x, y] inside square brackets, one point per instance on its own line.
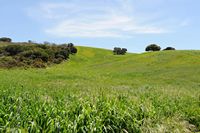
[96, 91]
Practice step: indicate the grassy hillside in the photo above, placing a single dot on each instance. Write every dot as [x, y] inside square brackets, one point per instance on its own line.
[96, 91]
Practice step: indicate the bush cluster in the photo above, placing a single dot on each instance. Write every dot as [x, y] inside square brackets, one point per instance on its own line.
[169, 48]
[155, 47]
[5, 39]
[119, 51]
[34, 55]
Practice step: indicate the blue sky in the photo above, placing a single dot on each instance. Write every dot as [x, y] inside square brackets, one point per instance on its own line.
[104, 23]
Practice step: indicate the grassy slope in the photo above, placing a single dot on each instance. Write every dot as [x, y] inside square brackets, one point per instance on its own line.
[166, 84]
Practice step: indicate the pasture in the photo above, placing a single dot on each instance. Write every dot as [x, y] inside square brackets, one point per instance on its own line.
[96, 91]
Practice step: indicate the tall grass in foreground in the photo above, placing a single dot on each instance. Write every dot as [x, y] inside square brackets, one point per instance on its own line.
[56, 112]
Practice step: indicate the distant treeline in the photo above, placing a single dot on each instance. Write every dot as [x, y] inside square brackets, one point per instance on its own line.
[40, 55]
[151, 47]
[33, 54]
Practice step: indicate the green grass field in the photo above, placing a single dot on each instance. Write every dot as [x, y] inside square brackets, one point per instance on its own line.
[96, 91]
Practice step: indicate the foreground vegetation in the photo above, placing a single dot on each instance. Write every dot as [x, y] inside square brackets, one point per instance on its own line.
[97, 91]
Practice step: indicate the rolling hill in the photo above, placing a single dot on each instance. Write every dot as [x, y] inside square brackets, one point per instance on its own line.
[96, 91]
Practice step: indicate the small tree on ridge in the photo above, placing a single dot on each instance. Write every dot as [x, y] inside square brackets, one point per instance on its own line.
[153, 47]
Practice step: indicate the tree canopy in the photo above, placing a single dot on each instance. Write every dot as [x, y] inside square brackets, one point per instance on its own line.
[153, 47]
[119, 51]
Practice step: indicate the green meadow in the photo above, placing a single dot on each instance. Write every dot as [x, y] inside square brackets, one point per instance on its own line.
[96, 91]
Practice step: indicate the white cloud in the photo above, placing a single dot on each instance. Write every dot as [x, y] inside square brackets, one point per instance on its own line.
[92, 19]
[118, 26]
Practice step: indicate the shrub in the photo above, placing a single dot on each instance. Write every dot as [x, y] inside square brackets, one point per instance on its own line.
[123, 51]
[36, 54]
[13, 49]
[119, 51]
[116, 50]
[70, 45]
[38, 63]
[30, 41]
[72, 49]
[8, 62]
[43, 46]
[1, 51]
[169, 48]
[58, 60]
[5, 39]
[62, 54]
[153, 47]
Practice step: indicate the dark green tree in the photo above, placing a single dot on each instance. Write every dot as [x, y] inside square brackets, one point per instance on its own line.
[153, 47]
[123, 51]
[119, 51]
[169, 48]
[5, 39]
[72, 49]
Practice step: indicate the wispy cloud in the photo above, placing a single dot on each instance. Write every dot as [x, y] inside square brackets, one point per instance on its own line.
[96, 19]
[115, 26]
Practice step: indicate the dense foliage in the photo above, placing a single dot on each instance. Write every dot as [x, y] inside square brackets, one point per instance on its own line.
[5, 39]
[153, 47]
[34, 55]
[119, 51]
[169, 48]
